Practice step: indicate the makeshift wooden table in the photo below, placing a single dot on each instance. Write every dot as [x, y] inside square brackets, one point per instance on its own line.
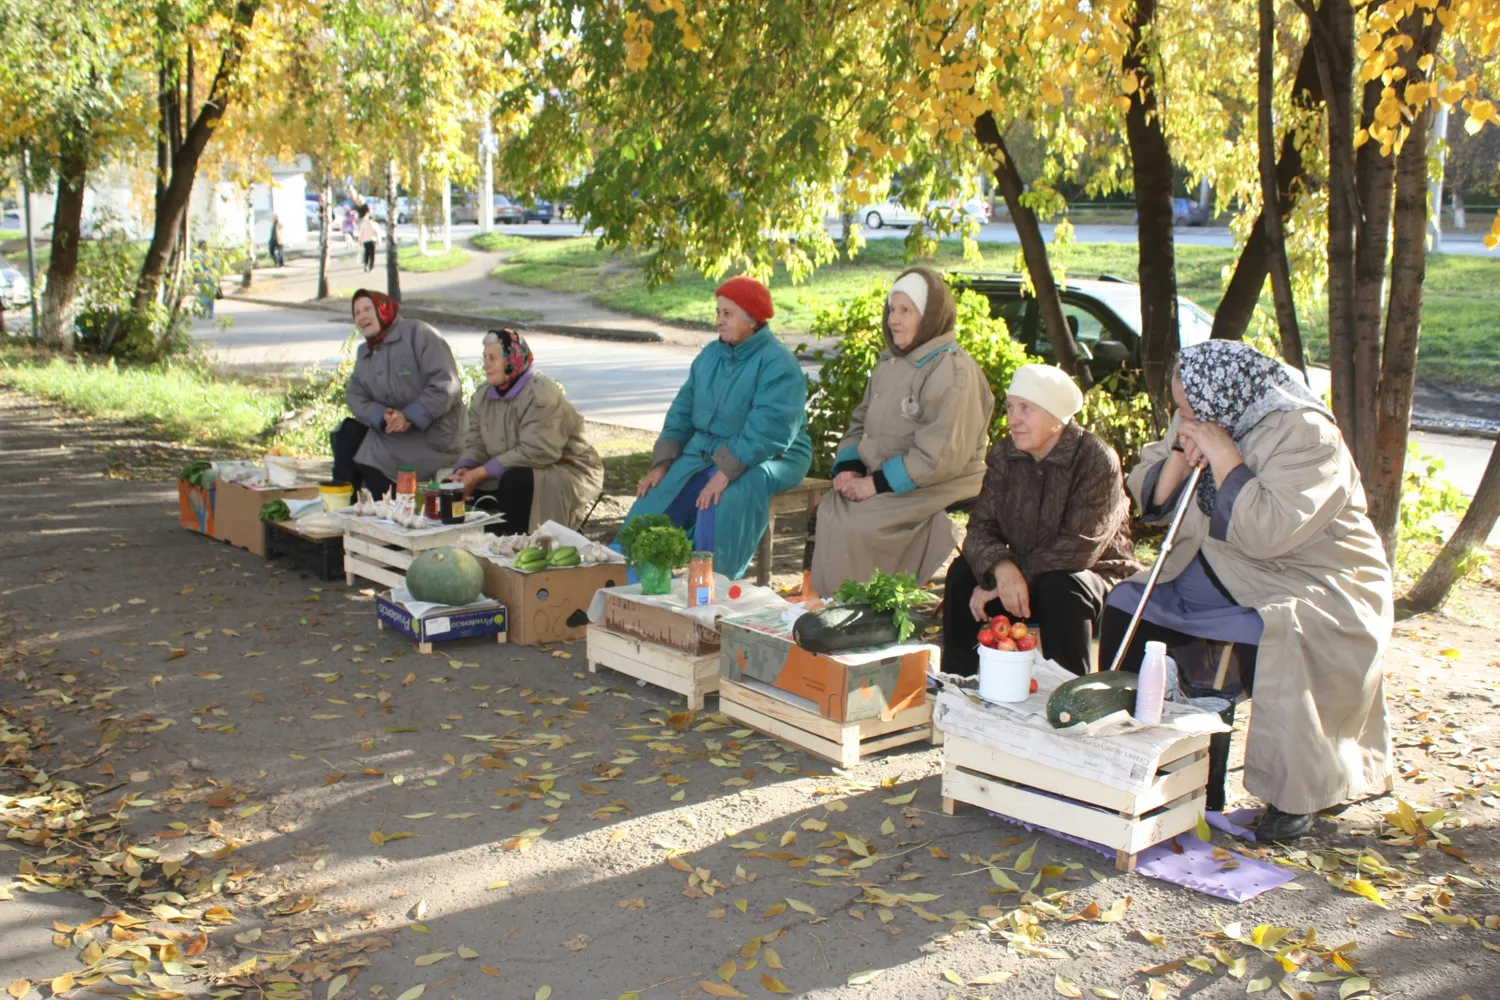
[1063, 795]
[382, 551]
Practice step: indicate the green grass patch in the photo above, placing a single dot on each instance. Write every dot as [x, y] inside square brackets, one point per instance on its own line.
[182, 402]
[12, 234]
[496, 242]
[412, 259]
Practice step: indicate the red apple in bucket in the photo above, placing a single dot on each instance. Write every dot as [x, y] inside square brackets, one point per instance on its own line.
[1000, 624]
[987, 637]
[1026, 643]
[1006, 643]
[1018, 630]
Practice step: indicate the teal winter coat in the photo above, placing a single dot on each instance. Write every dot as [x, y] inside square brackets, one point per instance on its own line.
[743, 409]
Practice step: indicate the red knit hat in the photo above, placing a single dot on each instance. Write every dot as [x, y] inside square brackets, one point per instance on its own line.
[750, 295]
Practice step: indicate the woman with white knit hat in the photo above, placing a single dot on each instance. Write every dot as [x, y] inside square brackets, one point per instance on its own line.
[1050, 533]
[915, 445]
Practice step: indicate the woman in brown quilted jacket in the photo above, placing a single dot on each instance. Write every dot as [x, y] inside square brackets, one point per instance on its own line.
[1050, 533]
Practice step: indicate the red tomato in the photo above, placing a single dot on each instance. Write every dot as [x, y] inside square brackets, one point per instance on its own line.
[1000, 624]
[1026, 642]
[987, 637]
[1033, 685]
[1018, 629]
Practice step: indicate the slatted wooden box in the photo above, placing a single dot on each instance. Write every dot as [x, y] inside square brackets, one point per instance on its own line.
[690, 675]
[382, 552]
[841, 743]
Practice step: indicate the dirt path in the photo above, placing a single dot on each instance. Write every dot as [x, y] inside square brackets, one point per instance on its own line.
[277, 795]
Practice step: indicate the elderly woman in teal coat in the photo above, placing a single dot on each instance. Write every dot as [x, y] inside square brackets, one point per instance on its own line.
[735, 435]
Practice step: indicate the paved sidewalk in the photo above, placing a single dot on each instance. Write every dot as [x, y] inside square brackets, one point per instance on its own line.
[465, 295]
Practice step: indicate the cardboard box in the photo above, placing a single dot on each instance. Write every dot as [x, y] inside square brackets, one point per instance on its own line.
[237, 512]
[195, 507]
[441, 624]
[843, 687]
[551, 605]
[659, 625]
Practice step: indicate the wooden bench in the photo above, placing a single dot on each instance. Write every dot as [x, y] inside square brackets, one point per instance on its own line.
[802, 497]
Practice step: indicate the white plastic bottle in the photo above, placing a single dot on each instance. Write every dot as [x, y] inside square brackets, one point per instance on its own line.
[1153, 687]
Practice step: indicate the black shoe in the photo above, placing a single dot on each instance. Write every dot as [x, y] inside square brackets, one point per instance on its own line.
[1276, 826]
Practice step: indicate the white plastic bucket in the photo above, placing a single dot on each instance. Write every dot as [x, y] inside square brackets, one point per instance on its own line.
[1004, 675]
[281, 470]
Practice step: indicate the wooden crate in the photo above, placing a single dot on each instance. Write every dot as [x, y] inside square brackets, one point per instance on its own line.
[383, 554]
[841, 743]
[319, 551]
[684, 673]
[1079, 806]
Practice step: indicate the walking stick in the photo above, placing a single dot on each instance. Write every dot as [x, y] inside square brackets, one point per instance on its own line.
[1188, 494]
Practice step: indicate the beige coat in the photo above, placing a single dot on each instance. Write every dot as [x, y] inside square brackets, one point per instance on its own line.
[924, 422]
[539, 430]
[1299, 550]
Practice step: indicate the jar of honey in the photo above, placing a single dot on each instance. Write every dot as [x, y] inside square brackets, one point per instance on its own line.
[431, 500]
[451, 503]
[701, 580]
[406, 481]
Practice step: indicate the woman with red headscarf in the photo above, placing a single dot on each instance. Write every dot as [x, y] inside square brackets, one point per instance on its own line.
[405, 396]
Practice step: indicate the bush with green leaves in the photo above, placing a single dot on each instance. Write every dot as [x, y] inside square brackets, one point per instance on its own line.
[1430, 506]
[845, 369]
[1121, 414]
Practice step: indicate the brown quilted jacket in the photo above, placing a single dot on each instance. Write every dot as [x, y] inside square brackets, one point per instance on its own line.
[1068, 512]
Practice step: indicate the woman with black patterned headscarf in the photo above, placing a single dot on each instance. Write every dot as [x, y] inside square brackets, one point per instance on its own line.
[1275, 554]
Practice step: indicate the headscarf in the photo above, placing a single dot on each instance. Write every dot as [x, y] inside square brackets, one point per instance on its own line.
[939, 312]
[386, 310]
[1230, 383]
[516, 353]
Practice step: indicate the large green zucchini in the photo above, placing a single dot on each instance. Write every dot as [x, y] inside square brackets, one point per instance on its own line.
[1091, 697]
[850, 626]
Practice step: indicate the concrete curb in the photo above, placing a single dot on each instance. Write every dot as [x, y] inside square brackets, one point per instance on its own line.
[469, 319]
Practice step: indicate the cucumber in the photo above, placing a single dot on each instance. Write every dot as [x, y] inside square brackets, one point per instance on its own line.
[852, 626]
[1091, 697]
[530, 555]
[565, 552]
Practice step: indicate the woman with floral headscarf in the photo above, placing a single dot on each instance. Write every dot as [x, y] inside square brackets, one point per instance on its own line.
[525, 447]
[915, 444]
[405, 397]
[1275, 554]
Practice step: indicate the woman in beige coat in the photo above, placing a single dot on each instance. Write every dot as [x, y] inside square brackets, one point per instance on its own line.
[525, 446]
[1276, 555]
[916, 443]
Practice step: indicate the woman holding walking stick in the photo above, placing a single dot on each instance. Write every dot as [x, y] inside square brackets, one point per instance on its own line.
[1274, 553]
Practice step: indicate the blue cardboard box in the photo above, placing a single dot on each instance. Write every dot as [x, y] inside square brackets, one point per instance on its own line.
[484, 617]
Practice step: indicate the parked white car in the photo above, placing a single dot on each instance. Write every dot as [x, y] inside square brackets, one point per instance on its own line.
[15, 290]
[886, 213]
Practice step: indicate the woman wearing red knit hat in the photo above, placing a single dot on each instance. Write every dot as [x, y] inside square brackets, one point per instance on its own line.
[735, 435]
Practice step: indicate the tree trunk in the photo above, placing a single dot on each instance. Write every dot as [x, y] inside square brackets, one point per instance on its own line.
[249, 273]
[325, 238]
[1398, 376]
[1232, 316]
[421, 208]
[846, 224]
[1335, 62]
[392, 263]
[1151, 168]
[1034, 250]
[1375, 179]
[447, 214]
[173, 198]
[1271, 211]
[1470, 535]
[62, 269]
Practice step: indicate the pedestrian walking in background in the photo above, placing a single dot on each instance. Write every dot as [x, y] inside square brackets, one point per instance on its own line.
[351, 221]
[368, 234]
[278, 257]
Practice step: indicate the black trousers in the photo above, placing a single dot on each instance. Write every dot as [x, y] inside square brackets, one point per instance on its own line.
[1064, 606]
[369, 255]
[511, 496]
[344, 442]
[1112, 630]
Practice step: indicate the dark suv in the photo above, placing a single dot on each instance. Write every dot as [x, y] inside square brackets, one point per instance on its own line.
[1104, 314]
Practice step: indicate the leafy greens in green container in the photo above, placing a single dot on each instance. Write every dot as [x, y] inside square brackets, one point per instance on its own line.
[897, 593]
[653, 540]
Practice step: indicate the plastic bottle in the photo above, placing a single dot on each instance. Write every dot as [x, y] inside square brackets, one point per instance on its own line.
[1153, 686]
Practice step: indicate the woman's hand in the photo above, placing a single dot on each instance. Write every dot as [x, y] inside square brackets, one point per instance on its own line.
[979, 600]
[711, 493]
[471, 477]
[843, 479]
[859, 489]
[1209, 444]
[1010, 584]
[650, 480]
[396, 422]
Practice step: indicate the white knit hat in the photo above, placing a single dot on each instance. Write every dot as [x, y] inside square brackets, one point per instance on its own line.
[1047, 387]
[915, 287]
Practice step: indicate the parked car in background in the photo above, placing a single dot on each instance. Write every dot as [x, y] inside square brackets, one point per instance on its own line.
[382, 210]
[1103, 313]
[15, 290]
[975, 208]
[466, 210]
[540, 211]
[1187, 212]
[508, 211]
[886, 213]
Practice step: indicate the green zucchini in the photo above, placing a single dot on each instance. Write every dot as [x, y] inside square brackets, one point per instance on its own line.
[1091, 697]
[849, 626]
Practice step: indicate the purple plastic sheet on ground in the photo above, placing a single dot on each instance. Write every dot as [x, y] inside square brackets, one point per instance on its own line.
[1196, 868]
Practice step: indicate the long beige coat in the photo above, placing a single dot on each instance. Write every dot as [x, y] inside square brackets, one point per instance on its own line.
[924, 421]
[539, 430]
[1300, 551]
